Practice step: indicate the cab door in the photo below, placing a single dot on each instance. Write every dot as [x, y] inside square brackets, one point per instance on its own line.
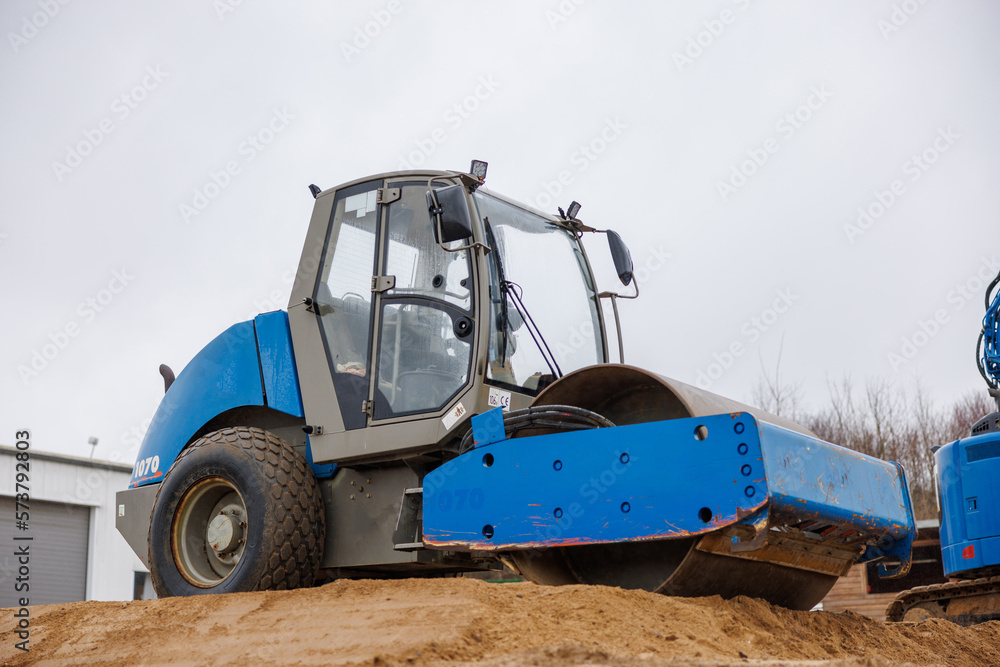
[423, 330]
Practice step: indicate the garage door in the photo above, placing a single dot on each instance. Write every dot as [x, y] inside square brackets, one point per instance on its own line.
[57, 552]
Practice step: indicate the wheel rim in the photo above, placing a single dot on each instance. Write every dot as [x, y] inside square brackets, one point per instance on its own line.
[209, 532]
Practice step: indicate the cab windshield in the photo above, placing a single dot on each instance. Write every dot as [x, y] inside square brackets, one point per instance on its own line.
[538, 275]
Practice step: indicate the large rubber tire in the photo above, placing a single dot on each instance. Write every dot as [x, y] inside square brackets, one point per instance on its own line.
[272, 519]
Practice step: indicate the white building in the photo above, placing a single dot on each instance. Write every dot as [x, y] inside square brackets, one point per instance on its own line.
[75, 552]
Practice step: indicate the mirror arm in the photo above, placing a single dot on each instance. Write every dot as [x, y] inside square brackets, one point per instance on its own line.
[635, 284]
[580, 228]
[614, 296]
[618, 326]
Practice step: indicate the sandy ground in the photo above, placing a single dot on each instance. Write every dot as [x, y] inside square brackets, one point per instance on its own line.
[466, 621]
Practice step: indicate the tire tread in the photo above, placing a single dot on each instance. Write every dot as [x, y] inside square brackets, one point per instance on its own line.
[299, 517]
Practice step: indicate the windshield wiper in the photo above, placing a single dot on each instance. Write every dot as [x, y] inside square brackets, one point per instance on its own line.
[506, 289]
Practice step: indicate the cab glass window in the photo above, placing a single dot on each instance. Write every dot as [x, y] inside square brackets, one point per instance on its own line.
[421, 267]
[542, 264]
[424, 355]
[343, 298]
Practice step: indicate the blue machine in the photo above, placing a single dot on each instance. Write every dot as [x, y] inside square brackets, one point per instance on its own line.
[966, 474]
[968, 470]
[354, 434]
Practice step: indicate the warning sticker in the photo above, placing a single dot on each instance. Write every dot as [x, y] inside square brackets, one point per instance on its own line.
[453, 416]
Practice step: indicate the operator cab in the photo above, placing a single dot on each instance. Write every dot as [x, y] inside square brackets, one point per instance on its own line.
[434, 297]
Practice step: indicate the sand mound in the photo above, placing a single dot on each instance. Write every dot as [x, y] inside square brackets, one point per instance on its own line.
[433, 621]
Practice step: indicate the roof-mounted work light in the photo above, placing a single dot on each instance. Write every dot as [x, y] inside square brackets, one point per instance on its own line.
[478, 169]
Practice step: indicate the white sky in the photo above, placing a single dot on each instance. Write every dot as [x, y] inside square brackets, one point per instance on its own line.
[546, 88]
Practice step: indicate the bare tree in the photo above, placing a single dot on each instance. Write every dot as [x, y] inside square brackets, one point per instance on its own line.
[966, 412]
[771, 394]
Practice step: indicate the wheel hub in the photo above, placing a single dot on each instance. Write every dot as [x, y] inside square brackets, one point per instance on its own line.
[224, 532]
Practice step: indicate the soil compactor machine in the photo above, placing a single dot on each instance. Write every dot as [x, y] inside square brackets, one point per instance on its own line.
[965, 475]
[438, 398]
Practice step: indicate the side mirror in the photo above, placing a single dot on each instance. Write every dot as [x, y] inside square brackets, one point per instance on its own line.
[621, 256]
[450, 214]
